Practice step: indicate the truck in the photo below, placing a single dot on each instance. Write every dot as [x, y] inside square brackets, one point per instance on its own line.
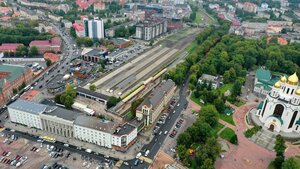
[88, 150]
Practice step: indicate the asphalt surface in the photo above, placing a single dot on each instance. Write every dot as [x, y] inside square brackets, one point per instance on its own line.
[68, 53]
[158, 140]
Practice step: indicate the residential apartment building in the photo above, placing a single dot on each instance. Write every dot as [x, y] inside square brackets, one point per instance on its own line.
[54, 44]
[94, 28]
[11, 77]
[26, 113]
[250, 7]
[150, 29]
[79, 29]
[73, 124]
[155, 103]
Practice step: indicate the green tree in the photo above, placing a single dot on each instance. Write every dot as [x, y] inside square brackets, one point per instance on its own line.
[220, 105]
[112, 101]
[279, 146]
[278, 162]
[291, 163]
[184, 139]
[93, 87]
[236, 89]
[21, 51]
[135, 104]
[57, 98]
[68, 102]
[73, 32]
[15, 91]
[48, 62]
[207, 164]
[210, 115]
[33, 51]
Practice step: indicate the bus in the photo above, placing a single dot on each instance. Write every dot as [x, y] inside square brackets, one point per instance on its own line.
[49, 139]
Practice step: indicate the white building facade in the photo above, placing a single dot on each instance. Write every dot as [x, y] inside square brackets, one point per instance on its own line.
[280, 110]
[94, 28]
[22, 112]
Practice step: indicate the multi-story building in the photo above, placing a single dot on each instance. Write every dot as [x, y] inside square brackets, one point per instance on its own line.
[26, 113]
[11, 77]
[54, 44]
[72, 124]
[59, 121]
[79, 29]
[94, 28]
[155, 103]
[150, 29]
[250, 7]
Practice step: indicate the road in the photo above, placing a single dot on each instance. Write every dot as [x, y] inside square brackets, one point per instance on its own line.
[158, 140]
[69, 51]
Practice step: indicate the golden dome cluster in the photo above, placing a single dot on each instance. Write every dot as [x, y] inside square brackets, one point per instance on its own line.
[277, 84]
[293, 79]
[298, 91]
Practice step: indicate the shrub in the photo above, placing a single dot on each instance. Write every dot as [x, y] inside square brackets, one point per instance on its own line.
[250, 132]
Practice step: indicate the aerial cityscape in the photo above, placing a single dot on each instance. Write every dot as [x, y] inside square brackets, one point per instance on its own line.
[150, 84]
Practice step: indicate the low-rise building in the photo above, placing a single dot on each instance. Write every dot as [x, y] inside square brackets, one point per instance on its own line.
[93, 55]
[11, 77]
[120, 42]
[31, 95]
[264, 81]
[155, 103]
[54, 44]
[99, 5]
[9, 47]
[150, 29]
[214, 80]
[250, 7]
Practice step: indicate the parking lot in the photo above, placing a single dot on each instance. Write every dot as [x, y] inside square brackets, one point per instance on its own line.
[27, 154]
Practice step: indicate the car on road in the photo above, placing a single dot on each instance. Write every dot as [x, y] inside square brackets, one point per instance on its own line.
[178, 105]
[147, 152]
[136, 162]
[138, 155]
[166, 132]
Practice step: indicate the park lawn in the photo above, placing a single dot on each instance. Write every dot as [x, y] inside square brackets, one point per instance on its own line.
[271, 165]
[227, 134]
[239, 102]
[128, 115]
[196, 100]
[219, 127]
[226, 87]
[227, 118]
[191, 47]
[199, 17]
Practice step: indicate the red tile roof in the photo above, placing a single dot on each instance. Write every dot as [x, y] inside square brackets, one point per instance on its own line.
[9, 46]
[4, 10]
[30, 94]
[83, 4]
[249, 4]
[78, 26]
[56, 41]
[51, 56]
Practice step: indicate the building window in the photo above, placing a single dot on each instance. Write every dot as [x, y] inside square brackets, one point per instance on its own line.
[278, 110]
[293, 119]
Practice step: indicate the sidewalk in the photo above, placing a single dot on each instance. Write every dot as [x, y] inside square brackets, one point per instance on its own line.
[129, 154]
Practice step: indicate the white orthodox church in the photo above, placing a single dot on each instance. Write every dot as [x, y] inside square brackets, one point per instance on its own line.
[280, 111]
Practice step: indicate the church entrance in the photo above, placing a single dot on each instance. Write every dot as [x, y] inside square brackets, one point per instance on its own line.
[271, 128]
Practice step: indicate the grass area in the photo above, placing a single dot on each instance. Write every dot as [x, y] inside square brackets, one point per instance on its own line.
[199, 17]
[128, 115]
[191, 47]
[194, 99]
[225, 87]
[271, 165]
[239, 103]
[250, 132]
[229, 135]
[227, 118]
[219, 127]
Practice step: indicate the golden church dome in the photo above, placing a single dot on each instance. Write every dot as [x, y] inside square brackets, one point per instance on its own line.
[283, 79]
[293, 79]
[277, 84]
[298, 91]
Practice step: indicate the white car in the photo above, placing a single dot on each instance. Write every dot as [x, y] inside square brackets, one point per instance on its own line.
[146, 153]
[126, 163]
[138, 155]
[166, 132]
